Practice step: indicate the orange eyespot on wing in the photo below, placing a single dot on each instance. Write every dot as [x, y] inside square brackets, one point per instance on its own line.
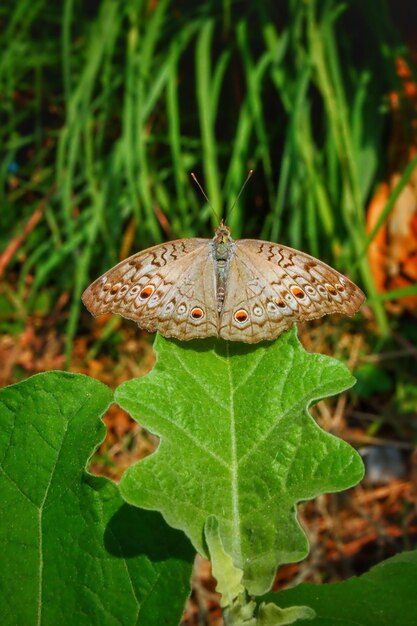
[339, 287]
[197, 313]
[241, 316]
[331, 289]
[146, 292]
[298, 293]
[280, 303]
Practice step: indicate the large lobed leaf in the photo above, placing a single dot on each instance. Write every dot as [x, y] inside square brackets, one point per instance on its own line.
[72, 552]
[238, 443]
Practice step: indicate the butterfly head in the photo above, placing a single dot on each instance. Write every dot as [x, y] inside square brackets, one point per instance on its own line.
[222, 235]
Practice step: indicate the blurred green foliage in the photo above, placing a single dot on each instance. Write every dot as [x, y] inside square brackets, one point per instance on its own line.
[371, 380]
[107, 106]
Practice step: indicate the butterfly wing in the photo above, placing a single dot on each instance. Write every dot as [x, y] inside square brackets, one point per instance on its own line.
[169, 288]
[269, 287]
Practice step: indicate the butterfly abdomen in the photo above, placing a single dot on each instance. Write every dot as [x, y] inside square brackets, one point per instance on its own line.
[220, 291]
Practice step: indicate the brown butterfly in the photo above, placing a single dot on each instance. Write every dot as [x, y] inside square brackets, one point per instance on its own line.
[244, 290]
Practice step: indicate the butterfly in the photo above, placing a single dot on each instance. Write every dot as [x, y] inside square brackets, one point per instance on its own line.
[245, 290]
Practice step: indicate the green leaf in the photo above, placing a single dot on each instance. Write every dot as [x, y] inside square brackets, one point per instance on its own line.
[242, 613]
[72, 552]
[273, 615]
[239, 609]
[229, 577]
[384, 596]
[237, 442]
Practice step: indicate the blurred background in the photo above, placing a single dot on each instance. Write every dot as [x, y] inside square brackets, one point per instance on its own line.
[107, 106]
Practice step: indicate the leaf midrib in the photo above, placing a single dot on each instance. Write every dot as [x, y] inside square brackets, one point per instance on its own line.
[236, 539]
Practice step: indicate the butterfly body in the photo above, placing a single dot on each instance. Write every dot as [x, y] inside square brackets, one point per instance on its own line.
[222, 250]
[244, 290]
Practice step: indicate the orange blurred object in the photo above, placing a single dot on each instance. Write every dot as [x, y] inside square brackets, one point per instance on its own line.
[393, 251]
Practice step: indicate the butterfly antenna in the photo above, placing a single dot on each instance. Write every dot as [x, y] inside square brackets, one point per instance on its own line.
[240, 192]
[195, 179]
